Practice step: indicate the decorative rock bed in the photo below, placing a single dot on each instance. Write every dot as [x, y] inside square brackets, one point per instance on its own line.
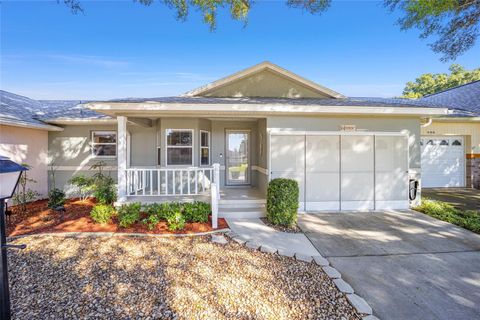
[169, 278]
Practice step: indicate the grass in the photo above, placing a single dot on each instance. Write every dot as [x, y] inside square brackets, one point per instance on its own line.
[469, 219]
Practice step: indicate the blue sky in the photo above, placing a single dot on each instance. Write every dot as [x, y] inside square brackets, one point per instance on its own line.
[122, 49]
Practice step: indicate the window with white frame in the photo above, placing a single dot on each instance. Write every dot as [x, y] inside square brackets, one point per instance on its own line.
[104, 143]
[179, 146]
[204, 148]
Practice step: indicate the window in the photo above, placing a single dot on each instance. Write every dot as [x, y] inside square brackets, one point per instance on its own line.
[179, 146]
[444, 143]
[456, 143]
[104, 143]
[204, 148]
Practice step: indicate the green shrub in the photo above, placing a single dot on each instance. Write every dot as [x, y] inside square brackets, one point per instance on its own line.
[196, 211]
[104, 190]
[56, 198]
[102, 213]
[444, 211]
[84, 184]
[154, 214]
[128, 214]
[282, 201]
[175, 221]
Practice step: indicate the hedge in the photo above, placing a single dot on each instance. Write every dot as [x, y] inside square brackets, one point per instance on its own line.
[282, 201]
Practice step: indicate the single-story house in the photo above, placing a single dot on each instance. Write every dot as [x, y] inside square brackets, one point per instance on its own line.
[24, 138]
[450, 145]
[239, 132]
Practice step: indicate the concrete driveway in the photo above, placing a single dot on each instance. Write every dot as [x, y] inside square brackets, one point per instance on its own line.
[461, 198]
[405, 264]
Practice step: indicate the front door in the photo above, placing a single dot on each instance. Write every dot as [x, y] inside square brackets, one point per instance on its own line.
[237, 157]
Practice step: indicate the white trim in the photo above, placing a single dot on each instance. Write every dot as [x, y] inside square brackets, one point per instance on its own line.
[335, 133]
[80, 121]
[202, 147]
[92, 144]
[262, 109]
[260, 169]
[457, 119]
[21, 124]
[266, 65]
[192, 146]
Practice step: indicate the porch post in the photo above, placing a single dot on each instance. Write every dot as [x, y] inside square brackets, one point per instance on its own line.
[122, 158]
[214, 205]
[216, 177]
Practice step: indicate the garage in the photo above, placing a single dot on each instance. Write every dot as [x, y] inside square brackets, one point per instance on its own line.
[343, 171]
[443, 161]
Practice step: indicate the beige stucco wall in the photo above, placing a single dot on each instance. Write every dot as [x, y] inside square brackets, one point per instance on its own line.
[70, 151]
[470, 130]
[29, 146]
[265, 83]
[408, 125]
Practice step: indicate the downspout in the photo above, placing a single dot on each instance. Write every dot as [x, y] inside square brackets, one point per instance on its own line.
[429, 122]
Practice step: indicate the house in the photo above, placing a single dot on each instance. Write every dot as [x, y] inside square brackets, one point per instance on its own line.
[239, 132]
[24, 138]
[451, 144]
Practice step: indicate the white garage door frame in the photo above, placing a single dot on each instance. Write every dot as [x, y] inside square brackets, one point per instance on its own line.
[431, 177]
[373, 204]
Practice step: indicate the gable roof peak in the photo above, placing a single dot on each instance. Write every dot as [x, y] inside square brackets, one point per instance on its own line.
[264, 65]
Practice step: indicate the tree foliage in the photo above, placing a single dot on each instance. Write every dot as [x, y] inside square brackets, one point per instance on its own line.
[454, 23]
[429, 83]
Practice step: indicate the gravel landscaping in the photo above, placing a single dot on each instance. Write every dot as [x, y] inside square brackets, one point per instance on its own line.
[292, 229]
[120, 277]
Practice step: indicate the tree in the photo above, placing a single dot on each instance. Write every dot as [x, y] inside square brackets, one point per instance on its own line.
[429, 83]
[455, 23]
[239, 9]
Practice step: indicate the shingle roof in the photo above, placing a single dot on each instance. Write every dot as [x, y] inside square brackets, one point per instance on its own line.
[353, 101]
[19, 110]
[464, 98]
[69, 109]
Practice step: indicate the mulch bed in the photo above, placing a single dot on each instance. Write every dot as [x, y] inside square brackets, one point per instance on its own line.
[293, 229]
[76, 218]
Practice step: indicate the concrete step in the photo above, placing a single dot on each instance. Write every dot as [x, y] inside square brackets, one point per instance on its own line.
[241, 204]
[242, 213]
[245, 201]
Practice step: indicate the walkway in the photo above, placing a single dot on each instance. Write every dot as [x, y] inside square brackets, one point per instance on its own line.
[255, 230]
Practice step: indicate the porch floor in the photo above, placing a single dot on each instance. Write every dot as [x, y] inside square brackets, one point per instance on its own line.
[241, 193]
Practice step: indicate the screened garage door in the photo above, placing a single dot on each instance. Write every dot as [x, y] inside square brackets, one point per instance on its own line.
[344, 172]
[443, 162]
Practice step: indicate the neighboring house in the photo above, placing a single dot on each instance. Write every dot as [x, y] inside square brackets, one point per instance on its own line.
[240, 131]
[24, 139]
[451, 144]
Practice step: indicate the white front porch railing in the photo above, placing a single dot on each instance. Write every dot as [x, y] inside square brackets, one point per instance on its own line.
[171, 181]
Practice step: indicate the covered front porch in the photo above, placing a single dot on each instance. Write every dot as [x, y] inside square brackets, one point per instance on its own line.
[214, 159]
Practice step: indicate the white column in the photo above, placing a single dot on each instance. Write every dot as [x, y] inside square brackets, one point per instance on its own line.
[214, 204]
[216, 177]
[122, 158]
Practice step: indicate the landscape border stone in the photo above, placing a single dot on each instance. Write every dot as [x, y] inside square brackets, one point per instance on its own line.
[359, 304]
[303, 257]
[332, 273]
[343, 286]
[268, 249]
